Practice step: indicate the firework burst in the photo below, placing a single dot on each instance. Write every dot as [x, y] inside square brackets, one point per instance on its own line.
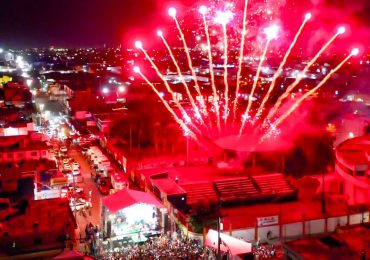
[219, 109]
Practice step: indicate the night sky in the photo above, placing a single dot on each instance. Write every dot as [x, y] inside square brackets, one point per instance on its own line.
[71, 22]
[92, 23]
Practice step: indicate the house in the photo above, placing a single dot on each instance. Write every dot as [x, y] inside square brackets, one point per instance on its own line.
[25, 147]
[36, 226]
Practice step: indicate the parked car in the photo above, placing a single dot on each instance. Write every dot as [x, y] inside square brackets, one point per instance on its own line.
[78, 204]
[70, 188]
[104, 189]
[105, 185]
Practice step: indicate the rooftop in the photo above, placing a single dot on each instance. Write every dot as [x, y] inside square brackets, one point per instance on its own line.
[347, 244]
[355, 151]
[19, 143]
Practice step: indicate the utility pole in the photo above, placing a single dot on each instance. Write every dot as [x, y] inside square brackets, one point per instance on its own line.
[323, 207]
[219, 238]
[219, 227]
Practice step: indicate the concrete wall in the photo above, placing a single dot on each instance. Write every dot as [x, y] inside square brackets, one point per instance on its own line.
[333, 222]
[24, 155]
[359, 218]
[315, 226]
[296, 229]
[245, 234]
[292, 229]
[262, 232]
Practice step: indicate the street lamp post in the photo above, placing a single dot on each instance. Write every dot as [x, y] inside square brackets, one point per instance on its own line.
[219, 227]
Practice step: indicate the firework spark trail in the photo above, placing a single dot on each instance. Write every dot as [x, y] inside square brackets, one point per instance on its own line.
[279, 70]
[296, 104]
[226, 107]
[246, 113]
[168, 107]
[190, 64]
[196, 109]
[211, 71]
[174, 98]
[240, 62]
[299, 78]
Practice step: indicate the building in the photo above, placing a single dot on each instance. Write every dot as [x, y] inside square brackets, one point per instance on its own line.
[348, 243]
[16, 121]
[41, 225]
[254, 207]
[352, 168]
[15, 129]
[20, 148]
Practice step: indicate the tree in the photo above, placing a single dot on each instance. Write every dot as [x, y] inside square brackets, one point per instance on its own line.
[296, 162]
[204, 214]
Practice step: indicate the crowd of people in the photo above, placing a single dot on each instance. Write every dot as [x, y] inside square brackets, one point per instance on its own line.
[262, 251]
[163, 247]
[156, 248]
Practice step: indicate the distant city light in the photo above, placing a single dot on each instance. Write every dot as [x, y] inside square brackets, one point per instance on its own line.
[121, 89]
[105, 90]
[29, 82]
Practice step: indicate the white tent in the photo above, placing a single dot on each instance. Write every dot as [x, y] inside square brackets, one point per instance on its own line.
[235, 247]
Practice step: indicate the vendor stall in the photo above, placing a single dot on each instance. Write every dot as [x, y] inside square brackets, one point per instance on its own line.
[234, 248]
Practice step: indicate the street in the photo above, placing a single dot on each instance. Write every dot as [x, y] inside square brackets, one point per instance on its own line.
[88, 185]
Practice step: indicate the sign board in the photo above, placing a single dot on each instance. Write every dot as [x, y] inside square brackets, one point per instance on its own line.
[268, 221]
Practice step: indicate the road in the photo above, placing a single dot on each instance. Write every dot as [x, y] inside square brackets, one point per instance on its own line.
[88, 185]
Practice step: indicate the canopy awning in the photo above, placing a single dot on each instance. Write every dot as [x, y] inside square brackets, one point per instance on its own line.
[228, 243]
[126, 197]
